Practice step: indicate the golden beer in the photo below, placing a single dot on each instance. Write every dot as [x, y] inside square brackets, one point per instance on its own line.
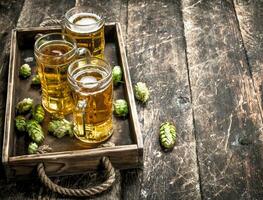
[92, 88]
[87, 29]
[54, 53]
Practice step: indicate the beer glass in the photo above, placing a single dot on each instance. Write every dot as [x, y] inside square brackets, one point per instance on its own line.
[87, 28]
[91, 82]
[54, 52]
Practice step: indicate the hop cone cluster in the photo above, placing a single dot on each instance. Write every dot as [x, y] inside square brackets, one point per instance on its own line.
[35, 131]
[25, 71]
[24, 106]
[38, 113]
[32, 148]
[116, 75]
[120, 108]
[20, 123]
[167, 135]
[36, 80]
[60, 128]
[141, 92]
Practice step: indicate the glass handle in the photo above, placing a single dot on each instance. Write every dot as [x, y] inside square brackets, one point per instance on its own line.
[83, 53]
[86, 128]
[81, 106]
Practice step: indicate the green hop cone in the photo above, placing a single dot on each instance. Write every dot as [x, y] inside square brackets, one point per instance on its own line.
[60, 128]
[167, 135]
[141, 92]
[36, 80]
[35, 131]
[116, 75]
[24, 106]
[38, 113]
[32, 148]
[25, 71]
[120, 108]
[20, 123]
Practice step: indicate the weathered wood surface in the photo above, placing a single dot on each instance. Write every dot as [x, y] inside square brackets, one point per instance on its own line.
[203, 63]
[224, 103]
[9, 13]
[156, 55]
[250, 15]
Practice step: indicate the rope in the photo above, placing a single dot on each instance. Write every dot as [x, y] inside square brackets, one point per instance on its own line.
[76, 192]
[50, 22]
[53, 22]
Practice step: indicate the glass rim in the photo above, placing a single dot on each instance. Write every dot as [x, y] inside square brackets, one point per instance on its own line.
[100, 19]
[70, 76]
[36, 49]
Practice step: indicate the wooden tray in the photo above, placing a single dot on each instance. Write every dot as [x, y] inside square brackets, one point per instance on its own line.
[68, 155]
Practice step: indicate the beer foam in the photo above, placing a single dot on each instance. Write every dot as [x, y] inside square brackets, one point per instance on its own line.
[89, 81]
[87, 22]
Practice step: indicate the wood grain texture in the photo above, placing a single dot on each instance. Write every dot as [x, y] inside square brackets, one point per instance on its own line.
[224, 102]
[156, 56]
[35, 11]
[250, 15]
[9, 13]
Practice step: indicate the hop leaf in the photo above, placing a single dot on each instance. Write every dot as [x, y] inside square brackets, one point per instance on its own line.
[60, 128]
[116, 75]
[32, 148]
[167, 135]
[120, 108]
[20, 123]
[35, 131]
[25, 71]
[38, 113]
[36, 80]
[141, 92]
[24, 106]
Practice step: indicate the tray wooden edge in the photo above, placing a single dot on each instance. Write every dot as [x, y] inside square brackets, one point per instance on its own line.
[9, 100]
[7, 159]
[129, 90]
[61, 164]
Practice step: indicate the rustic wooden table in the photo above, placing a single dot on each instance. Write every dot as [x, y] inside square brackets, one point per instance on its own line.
[203, 63]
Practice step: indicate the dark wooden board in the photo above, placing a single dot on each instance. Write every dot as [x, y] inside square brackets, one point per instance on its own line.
[213, 39]
[156, 56]
[224, 102]
[9, 13]
[250, 15]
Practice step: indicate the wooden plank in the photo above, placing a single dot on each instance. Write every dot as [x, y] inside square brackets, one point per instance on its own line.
[224, 102]
[129, 91]
[34, 12]
[250, 15]
[9, 13]
[156, 55]
[75, 162]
